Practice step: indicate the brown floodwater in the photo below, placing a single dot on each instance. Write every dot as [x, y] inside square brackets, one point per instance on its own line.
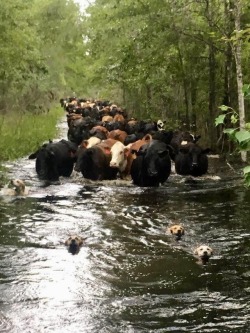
[129, 276]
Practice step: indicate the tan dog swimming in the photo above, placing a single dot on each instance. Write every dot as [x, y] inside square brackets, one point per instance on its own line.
[15, 187]
[74, 243]
[203, 252]
[176, 230]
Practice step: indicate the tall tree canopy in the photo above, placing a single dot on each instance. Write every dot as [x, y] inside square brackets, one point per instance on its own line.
[41, 54]
[167, 58]
[159, 58]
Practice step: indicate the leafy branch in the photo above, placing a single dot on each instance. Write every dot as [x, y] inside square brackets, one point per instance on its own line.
[241, 137]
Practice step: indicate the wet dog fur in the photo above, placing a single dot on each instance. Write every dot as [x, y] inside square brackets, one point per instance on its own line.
[203, 252]
[176, 230]
[74, 243]
[15, 187]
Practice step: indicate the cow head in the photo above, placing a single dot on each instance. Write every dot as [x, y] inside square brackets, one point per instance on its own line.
[160, 124]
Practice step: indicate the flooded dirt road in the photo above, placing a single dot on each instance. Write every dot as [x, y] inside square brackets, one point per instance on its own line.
[129, 276]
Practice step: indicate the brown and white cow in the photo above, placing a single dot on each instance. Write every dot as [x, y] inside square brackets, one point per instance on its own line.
[120, 156]
[94, 163]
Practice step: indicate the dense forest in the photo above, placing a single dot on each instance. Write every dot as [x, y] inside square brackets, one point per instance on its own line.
[176, 60]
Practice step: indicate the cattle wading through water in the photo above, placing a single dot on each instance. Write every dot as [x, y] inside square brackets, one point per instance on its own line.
[120, 147]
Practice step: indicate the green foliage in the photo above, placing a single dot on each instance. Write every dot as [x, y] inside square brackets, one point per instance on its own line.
[246, 172]
[41, 54]
[241, 137]
[24, 133]
[234, 117]
[159, 55]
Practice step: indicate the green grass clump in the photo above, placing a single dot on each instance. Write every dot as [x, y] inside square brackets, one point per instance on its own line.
[22, 134]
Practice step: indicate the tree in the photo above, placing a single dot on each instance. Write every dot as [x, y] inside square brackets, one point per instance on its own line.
[237, 49]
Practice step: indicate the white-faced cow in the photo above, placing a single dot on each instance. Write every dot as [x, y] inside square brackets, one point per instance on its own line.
[121, 158]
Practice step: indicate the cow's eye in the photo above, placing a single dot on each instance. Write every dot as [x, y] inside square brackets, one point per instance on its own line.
[163, 153]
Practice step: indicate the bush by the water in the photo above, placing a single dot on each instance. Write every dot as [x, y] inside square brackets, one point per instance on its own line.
[23, 133]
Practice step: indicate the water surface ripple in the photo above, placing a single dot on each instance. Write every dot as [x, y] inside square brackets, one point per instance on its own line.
[130, 276]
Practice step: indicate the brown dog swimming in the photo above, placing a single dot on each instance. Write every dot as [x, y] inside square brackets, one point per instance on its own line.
[74, 243]
[176, 230]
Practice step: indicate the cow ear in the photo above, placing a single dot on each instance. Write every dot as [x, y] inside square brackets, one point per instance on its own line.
[107, 150]
[196, 138]
[147, 138]
[33, 156]
[163, 153]
[206, 151]
[84, 143]
[126, 152]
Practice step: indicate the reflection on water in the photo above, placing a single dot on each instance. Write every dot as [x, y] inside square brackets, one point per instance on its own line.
[129, 276]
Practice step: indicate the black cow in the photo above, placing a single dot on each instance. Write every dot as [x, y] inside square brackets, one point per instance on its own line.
[181, 137]
[191, 160]
[163, 135]
[55, 159]
[79, 129]
[152, 166]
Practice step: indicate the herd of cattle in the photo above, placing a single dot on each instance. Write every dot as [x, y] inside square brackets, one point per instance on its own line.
[103, 143]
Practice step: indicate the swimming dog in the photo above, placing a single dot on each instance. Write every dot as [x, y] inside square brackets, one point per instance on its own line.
[74, 244]
[204, 253]
[15, 187]
[176, 230]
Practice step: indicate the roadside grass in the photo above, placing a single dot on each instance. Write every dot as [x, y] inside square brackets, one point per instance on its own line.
[21, 134]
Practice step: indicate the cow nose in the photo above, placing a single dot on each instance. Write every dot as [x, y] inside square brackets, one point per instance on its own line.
[113, 165]
[152, 173]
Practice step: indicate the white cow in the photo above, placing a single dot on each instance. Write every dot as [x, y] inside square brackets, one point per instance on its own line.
[119, 158]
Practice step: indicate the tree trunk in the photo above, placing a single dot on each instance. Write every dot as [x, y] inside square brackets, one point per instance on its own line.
[237, 55]
[185, 88]
[212, 78]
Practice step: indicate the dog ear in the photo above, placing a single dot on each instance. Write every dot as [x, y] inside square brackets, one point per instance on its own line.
[196, 251]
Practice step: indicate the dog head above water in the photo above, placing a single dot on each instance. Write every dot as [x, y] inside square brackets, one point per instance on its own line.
[74, 243]
[14, 188]
[176, 230]
[203, 252]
